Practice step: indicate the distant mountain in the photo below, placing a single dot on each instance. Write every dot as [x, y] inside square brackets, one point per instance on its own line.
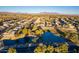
[40, 13]
[7, 13]
[54, 13]
[48, 13]
[12, 13]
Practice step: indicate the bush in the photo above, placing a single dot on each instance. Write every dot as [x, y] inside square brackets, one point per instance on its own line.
[11, 50]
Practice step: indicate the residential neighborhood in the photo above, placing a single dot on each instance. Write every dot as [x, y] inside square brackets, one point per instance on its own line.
[35, 26]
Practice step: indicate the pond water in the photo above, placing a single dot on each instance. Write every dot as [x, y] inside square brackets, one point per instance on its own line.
[46, 38]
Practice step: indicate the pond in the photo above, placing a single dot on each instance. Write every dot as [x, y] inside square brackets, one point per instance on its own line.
[47, 38]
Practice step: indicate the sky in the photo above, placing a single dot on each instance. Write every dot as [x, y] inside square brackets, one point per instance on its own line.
[38, 9]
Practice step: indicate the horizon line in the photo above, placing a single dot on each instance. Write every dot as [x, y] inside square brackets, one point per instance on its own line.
[37, 12]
